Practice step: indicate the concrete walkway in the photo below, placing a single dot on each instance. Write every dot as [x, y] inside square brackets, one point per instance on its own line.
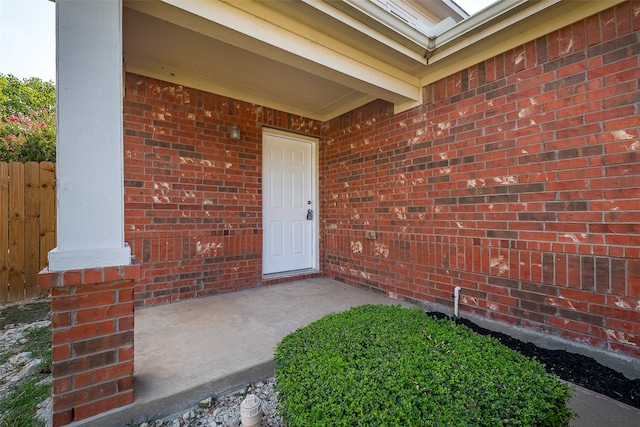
[190, 350]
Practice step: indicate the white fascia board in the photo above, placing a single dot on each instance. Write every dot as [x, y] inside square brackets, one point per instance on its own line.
[365, 30]
[375, 12]
[485, 16]
[365, 74]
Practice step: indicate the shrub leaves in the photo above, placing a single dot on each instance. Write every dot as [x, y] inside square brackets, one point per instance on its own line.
[387, 365]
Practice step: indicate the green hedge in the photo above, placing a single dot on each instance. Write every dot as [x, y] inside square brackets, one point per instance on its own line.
[392, 366]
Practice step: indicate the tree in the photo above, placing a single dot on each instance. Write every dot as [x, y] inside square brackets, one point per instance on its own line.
[27, 119]
[21, 96]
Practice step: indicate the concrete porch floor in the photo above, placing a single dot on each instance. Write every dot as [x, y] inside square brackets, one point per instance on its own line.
[190, 350]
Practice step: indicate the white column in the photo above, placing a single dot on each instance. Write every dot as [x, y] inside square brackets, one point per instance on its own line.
[90, 187]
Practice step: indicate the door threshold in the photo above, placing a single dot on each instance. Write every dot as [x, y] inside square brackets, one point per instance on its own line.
[288, 274]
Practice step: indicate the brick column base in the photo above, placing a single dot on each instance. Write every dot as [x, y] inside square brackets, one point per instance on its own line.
[92, 331]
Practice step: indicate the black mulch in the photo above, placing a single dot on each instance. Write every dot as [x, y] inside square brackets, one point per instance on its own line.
[574, 368]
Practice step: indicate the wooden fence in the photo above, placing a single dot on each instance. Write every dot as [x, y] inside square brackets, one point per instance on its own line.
[27, 226]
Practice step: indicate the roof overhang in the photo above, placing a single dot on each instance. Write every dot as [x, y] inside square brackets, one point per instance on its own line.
[320, 59]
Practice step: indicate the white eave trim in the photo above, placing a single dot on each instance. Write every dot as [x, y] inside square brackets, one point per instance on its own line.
[484, 17]
[365, 29]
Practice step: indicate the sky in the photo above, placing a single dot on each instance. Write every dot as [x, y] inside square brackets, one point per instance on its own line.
[28, 38]
[471, 6]
[28, 41]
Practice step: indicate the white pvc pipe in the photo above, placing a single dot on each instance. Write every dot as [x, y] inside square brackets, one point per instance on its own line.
[456, 299]
[251, 411]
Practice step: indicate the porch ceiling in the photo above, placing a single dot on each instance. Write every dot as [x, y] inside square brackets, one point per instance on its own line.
[319, 58]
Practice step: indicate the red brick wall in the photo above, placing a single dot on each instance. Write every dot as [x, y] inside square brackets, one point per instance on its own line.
[518, 180]
[92, 324]
[193, 197]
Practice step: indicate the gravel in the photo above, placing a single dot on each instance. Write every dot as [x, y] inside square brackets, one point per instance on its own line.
[21, 364]
[225, 412]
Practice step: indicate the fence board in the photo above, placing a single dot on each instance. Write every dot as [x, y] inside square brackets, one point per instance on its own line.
[32, 228]
[4, 233]
[47, 211]
[27, 226]
[16, 231]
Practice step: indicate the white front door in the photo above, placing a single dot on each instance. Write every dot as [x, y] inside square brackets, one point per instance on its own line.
[288, 191]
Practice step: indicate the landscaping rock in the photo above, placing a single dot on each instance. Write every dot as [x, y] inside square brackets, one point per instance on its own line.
[20, 358]
[225, 412]
[20, 365]
[45, 411]
[29, 368]
[206, 403]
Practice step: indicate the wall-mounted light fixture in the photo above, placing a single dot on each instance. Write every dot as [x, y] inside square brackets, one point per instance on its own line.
[234, 133]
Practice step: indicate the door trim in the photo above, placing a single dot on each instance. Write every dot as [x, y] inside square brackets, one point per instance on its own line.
[315, 245]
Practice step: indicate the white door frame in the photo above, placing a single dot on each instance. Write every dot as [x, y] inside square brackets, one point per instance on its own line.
[315, 243]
